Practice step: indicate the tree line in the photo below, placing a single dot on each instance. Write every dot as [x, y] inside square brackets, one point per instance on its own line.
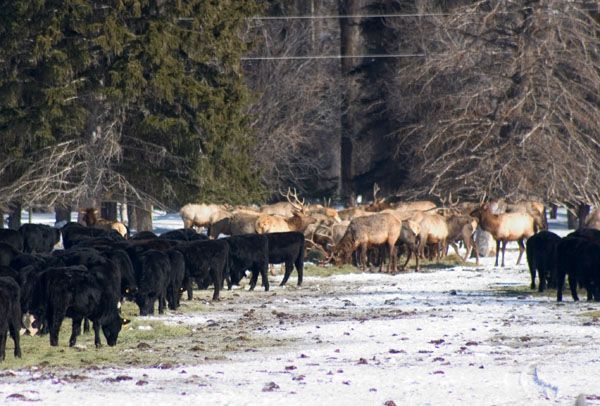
[160, 103]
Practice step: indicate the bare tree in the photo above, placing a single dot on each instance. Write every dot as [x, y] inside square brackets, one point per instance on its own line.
[504, 100]
[296, 114]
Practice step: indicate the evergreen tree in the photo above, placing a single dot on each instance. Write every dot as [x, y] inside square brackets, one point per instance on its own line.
[152, 91]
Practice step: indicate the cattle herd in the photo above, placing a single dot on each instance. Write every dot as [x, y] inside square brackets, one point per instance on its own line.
[100, 265]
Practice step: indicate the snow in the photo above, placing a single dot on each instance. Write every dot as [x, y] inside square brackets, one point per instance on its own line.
[446, 336]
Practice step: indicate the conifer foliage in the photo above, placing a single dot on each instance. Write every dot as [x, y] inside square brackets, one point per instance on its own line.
[125, 99]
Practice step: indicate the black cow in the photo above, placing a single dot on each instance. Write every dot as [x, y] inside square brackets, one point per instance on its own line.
[580, 259]
[10, 315]
[39, 238]
[144, 235]
[183, 234]
[248, 252]
[152, 269]
[541, 257]
[78, 292]
[207, 260]
[7, 254]
[12, 238]
[77, 234]
[288, 248]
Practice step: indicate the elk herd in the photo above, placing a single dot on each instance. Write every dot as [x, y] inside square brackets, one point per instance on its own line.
[100, 265]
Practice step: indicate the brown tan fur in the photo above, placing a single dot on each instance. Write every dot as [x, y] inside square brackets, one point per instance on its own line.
[266, 223]
[506, 227]
[434, 231]
[368, 231]
[463, 228]
[593, 220]
[202, 215]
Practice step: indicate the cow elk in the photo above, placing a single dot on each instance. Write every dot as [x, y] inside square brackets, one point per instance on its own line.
[463, 228]
[505, 227]
[202, 215]
[366, 232]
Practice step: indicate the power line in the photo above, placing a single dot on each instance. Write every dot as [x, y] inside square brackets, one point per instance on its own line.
[401, 15]
[338, 56]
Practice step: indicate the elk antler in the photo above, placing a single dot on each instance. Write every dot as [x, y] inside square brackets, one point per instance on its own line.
[296, 204]
[376, 190]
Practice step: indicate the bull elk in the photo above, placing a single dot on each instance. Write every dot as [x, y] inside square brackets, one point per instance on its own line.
[505, 227]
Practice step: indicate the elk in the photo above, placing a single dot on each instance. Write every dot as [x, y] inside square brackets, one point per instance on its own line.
[202, 215]
[463, 228]
[266, 223]
[593, 220]
[90, 218]
[411, 239]
[365, 232]
[434, 231]
[505, 227]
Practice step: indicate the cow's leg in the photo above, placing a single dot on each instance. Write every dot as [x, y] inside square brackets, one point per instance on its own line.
[96, 326]
[161, 303]
[573, 287]
[253, 278]
[86, 325]
[521, 250]
[299, 263]
[3, 336]
[14, 328]
[560, 282]
[55, 318]
[75, 331]
[217, 281]
[289, 267]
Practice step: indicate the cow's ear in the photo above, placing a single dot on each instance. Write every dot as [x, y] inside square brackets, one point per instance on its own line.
[125, 322]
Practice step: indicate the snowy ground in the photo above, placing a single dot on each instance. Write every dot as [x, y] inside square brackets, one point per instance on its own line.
[465, 335]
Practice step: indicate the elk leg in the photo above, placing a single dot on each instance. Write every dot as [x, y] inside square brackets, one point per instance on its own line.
[521, 250]
[503, 250]
[497, 251]
[363, 257]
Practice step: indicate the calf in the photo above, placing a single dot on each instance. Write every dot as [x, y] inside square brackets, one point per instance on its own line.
[541, 257]
[287, 247]
[580, 259]
[207, 260]
[10, 315]
[39, 238]
[78, 292]
[248, 252]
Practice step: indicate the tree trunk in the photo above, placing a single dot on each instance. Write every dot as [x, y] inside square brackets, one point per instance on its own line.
[62, 213]
[14, 216]
[143, 217]
[571, 219]
[123, 213]
[108, 211]
[553, 211]
[583, 210]
[349, 45]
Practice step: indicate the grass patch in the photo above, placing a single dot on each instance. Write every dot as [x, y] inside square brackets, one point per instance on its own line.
[593, 314]
[322, 271]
